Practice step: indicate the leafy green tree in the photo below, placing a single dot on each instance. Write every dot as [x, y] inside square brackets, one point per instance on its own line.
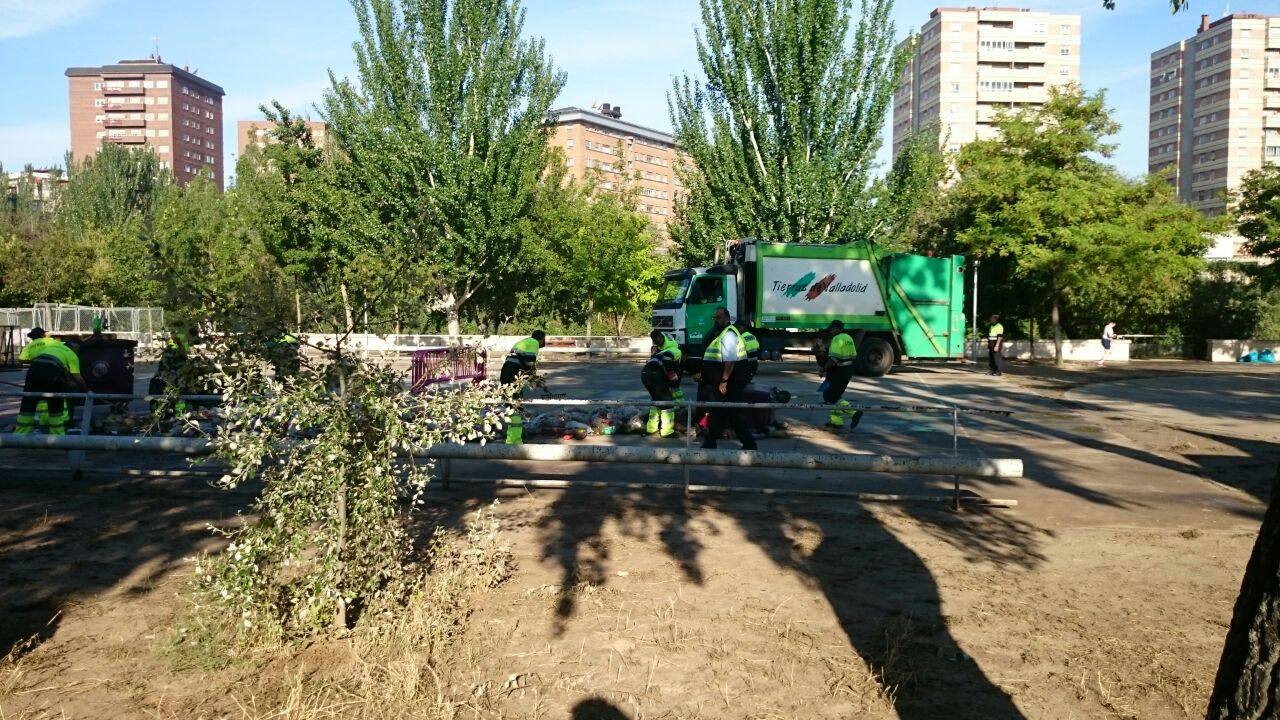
[782, 131]
[442, 140]
[1257, 211]
[1072, 229]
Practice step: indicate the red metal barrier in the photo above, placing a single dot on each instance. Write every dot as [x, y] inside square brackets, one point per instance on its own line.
[436, 366]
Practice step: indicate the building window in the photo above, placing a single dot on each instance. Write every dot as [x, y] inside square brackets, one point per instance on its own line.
[97, 86]
[1063, 71]
[1064, 29]
[1244, 94]
[162, 116]
[955, 47]
[1064, 51]
[163, 148]
[161, 84]
[955, 27]
[99, 102]
[164, 133]
[162, 101]
[955, 87]
[148, 84]
[151, 133]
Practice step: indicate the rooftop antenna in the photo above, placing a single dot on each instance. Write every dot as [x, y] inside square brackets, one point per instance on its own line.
[155, 41]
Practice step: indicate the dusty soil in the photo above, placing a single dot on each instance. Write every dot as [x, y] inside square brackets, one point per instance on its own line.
[650, 605]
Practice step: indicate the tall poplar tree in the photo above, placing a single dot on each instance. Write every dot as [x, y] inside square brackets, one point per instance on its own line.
[443, 138]
[782, 131]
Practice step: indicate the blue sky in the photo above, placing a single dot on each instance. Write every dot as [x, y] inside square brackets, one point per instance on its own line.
[619, 51]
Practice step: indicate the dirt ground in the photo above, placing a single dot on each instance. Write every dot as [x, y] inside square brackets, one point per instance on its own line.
[1105, 593]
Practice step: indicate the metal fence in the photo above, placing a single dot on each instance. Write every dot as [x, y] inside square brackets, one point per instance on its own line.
[142, 322]
[443, 365]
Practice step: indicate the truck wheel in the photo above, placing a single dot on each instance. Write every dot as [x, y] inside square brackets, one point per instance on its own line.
[875, 357]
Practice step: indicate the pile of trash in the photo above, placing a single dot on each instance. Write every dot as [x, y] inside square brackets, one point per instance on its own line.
[578, 423]
[1258, 356]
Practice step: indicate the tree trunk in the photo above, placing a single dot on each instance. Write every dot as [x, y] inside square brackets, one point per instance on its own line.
[452, 314]
[1057, 327]
[297, 309]
[346, 308]
[1248, 682]
[591, 311]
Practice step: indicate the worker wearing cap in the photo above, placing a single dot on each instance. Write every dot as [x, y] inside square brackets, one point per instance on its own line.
[995, 346]
[54, 366]
[724, 374]
[751, 347]
[661, 377]
[521, 362]
[842, 351]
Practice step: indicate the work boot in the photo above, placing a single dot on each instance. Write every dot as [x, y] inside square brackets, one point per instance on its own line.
[836, 419]
[26, 423]
[651, 425]
[57, 424]
[668, 424]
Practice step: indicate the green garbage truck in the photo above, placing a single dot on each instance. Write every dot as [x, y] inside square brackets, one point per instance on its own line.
[898, 306]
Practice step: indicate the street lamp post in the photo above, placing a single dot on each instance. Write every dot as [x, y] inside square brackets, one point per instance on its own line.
[976, 263]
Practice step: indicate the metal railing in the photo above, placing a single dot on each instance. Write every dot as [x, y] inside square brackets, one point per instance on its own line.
[953, 465]
[446, 365]
[143, 322]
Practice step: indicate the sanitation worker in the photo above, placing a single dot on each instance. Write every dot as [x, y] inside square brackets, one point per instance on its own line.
[661, 377]
[995, 346]
[521, 362]
[724, 375]
[54, 366]
[751, 348]
[842, 351]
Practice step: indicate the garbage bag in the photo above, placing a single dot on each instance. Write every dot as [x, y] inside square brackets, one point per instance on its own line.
[1267, 356]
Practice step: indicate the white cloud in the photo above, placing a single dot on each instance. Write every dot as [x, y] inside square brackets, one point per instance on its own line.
[40, 144]
[20, 18]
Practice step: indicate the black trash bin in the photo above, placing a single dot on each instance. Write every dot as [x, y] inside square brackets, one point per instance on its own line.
[106, 363]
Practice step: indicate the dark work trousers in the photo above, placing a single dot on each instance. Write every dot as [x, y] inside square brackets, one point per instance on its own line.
[995, 358]
[720, 418]
[655, 381]
[510, 371]
[45, 375]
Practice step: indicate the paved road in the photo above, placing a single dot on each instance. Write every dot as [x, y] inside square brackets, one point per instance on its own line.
[1240, 405]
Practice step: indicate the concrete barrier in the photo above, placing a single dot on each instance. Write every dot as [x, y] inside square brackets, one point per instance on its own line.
[1231, 350]
[1072, 350]
[497, 345]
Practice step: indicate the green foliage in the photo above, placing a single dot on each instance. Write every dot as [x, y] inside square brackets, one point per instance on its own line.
[1227, 301]
[1257, 212]
[1075, 234]
[332, 445]
[442, 141]
[782, 133]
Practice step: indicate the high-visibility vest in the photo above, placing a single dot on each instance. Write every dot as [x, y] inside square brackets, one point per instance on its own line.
[524, 353]
[714, 351]
[996, 331]
[667, 357]
[842, 349]
[750, 344]
[54, 349]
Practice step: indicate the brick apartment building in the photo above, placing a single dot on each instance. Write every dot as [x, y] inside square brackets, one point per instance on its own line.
[1215, 107]
[255, 132]
[969, 63]
[149, 103]
[603, 142]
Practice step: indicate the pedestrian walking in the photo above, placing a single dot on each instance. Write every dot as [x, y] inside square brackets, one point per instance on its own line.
[1108, 334]
[995, 346]
[724, 375]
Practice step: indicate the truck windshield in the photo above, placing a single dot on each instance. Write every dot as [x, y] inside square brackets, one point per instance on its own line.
[673, 290]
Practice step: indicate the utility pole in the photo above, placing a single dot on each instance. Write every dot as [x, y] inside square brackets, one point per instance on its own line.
[976, 263]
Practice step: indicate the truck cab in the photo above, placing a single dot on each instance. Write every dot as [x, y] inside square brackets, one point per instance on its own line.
[688, 301]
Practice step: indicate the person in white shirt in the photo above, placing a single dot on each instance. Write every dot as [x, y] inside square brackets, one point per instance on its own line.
[724, 372]
[1108, 334]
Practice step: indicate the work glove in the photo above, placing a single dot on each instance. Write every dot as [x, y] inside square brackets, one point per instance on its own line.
[677, 395]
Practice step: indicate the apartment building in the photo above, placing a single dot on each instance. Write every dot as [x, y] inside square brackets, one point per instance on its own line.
[149, 103]
[255, 132]
[969, 63]
[601, 141]
[1215, 107]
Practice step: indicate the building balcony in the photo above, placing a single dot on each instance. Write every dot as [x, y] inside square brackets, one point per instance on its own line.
[114, 91]
[125, 139]
[124, 122]
[125, 107]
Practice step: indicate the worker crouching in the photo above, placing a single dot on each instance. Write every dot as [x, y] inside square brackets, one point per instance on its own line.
[661, 377]
[55, 368]
[521, 362]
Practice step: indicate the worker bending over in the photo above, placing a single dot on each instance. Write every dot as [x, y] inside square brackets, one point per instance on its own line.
[54, 367]
[661, 377]
[521, 362]
[724, 375]
[838, 370]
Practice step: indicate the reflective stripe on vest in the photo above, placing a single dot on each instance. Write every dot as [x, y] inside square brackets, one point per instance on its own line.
[996, 331]
[715, 352]
[751, 345]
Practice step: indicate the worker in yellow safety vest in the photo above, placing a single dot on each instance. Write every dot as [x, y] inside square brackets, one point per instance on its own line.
[842, 352]
[54, 367]
[724, 374]
[661, 377]
[751, 346]
[521, 362]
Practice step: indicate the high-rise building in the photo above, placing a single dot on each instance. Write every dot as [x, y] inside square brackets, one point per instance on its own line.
[1215, 107]
[149, 103]
[255, 132]
[605, 143]
[969, 63]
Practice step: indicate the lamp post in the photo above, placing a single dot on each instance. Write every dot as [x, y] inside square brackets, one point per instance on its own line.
[976, 263]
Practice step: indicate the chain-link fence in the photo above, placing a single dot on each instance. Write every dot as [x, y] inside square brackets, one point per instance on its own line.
[140, 323]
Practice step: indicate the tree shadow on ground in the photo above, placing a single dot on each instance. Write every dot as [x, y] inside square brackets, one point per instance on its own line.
[64, 541]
